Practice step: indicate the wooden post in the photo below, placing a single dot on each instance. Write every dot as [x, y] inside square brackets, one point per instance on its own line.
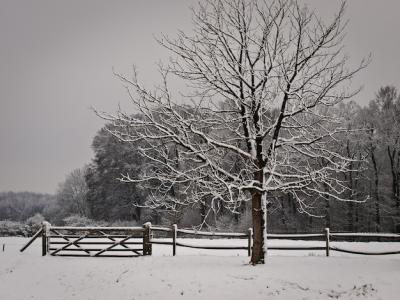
[147, 249]
[327, 236]
[249, 241]
[45, 237]
[174, 234]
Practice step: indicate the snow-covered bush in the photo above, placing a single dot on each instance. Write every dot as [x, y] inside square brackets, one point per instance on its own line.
[122, 223]
[76, 220]
[11, 228]
[34, 223]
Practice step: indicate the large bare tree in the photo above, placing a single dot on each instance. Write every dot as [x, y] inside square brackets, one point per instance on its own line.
[262, 76]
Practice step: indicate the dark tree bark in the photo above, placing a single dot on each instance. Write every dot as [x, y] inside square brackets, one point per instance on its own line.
[259, 214]
[394, 161]
[349, 176]
[376, 192]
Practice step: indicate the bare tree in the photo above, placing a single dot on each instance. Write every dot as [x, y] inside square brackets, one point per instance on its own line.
[71, 194]
[263, 75]
[382, 118]
[388, 121]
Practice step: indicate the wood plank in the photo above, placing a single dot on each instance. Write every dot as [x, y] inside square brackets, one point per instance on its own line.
[34, 237]
[123, 245]
[295, 248]
[112, 246]
[70, 228]
[105, 255]
[213, 234]
[294, 236]
[160, 242]
[70, 244]
[365, 234]
[95, 243]
[164, 229]
[68, 240]
[147, 236]
[249, 241]
[327, 238]
[45, 239]
[99, 249]
[96, 236]
[334, 248]
[174, 236]
[213, 247]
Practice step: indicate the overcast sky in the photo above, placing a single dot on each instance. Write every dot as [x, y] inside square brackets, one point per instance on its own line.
[56, 61]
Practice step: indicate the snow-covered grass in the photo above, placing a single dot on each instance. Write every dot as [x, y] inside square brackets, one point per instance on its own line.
[201, 274]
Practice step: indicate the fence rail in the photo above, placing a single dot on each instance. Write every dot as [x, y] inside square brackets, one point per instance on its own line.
[365, 234]
[123, 241]
[294, 235]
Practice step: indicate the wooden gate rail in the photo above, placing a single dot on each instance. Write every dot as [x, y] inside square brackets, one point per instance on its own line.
[96, 228]
[97, 243]
[70, 243]
[33, 238]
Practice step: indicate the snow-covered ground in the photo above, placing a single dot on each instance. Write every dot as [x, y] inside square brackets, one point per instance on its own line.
[201, 274]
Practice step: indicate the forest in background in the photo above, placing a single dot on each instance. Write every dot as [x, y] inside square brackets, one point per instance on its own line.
[96, 195]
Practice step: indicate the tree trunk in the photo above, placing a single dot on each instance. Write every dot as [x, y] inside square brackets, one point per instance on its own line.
[258, 255]
[395, 190]
[398, 196]
[327, 214]
[259, 222]
[377, 208]
[350, 217]
[357, 218]
[398, 185]
[377, 217]
[138, 213]
[203, 212]
[327, 208]
[349, 178]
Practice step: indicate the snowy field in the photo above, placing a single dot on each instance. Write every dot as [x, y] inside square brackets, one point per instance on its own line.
[201, 274]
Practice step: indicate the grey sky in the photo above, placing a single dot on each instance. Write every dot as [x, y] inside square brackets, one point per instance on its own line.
[56, 60]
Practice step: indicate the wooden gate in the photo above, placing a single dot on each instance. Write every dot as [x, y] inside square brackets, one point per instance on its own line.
[96, 241]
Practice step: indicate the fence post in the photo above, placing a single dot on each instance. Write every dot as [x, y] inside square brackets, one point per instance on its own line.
[327, 236]
[147, 249]
[249, 241]
[45, 237]
[174, 234]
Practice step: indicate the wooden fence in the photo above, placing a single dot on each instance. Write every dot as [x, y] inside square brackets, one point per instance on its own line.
[138, 241]
[175, 231]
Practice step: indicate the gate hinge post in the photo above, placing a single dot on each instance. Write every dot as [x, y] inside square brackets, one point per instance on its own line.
[147, 235]
[45, 237]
